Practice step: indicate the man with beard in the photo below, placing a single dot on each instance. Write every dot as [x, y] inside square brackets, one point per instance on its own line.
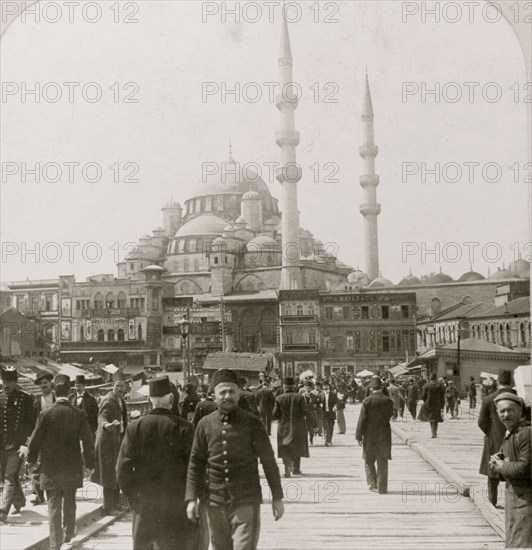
[223, 469]
[17, 420]
[151, 471]
[293, 414]
[112, 423]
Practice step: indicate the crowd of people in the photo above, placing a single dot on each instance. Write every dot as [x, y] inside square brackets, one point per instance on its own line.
[188, 468]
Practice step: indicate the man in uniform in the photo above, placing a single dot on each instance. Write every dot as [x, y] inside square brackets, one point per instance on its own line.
[152, 470]
[490, 423]
[292, 413]
[17, 420]
[514, 465]
[265, 402]
[45, 400]
[375, 436]
[223, 469]
[84, 400]
[112, 423]
[56, 442]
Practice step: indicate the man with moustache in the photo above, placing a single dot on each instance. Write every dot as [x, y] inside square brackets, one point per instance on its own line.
[152, 470]
[82, 399]
[223, 470]
[514, 463]
[112, 423]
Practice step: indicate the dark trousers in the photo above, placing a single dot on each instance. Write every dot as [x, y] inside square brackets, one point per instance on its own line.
[111, 498]
[493, 489]
[472, 401]
[234, 528]
[434, 429]
[61, 513]
[341, 421]
[328, 426]
[12, 493]
[412, 409]
[266, 418]
[292, 463]
[377, 477]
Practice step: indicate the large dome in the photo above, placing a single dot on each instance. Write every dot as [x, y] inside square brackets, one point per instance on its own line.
[380, 282]
[471, 276]
[521, 267]
[233, 177]
[409, 280]
[504, 274]
[202, 225]
[439, 279]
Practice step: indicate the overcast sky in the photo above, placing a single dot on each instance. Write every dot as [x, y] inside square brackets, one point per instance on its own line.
[169, 55]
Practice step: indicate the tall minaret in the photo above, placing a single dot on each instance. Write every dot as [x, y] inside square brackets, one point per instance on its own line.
[290, 172]
[370, 209]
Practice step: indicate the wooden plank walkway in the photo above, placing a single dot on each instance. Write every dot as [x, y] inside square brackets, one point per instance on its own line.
[331, 507]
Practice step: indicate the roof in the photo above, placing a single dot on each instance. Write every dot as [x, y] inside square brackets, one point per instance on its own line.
[504, 274]
[474, 344]
[202, 225]
[253, 362]
[471, 276]
[251, 297]
[519, 306]
[462, 310]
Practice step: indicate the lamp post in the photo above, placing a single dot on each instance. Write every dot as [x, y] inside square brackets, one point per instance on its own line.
[184, 329]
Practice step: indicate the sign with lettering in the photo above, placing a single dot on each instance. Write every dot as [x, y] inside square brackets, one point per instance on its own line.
[361, 298]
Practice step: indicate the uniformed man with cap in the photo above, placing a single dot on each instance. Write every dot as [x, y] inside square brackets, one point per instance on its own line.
[82, 399]
[223, 469]
[152, 470]
[42, 402]
[17, 420]
[513, 463]
[56, 442]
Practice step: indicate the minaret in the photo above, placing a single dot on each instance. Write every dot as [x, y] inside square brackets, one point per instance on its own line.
[290, 172]
[370, 209]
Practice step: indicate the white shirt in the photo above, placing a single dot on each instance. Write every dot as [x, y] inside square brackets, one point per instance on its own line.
[46, 401]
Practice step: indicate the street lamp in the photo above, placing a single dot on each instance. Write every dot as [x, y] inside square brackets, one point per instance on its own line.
[184, 329]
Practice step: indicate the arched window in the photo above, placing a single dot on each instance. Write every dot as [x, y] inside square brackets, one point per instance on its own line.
[299, 309]
[81, 333]
[100, 335]
[120, 335]
[501, 334]
[522, 334]
[311, 336]
[110, 335]
[492, 333]
[181, 246]
[508, 336]
[311, 309]
[139, 332]
[121, 300]
[98, 301]
[349, 341]
[110, 300]
[288, 309]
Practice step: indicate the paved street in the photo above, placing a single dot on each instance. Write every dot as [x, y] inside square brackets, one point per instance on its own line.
[331, 507]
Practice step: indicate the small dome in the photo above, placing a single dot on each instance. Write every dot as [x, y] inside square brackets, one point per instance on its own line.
[439, 279]
[218, 241]
[521, 267]
[358, 277]
[153, 268]
[409, 280]
[380, 282]
[251, 195]
[241, 221]
[262, 241]
[504, 274]
[471, 276]
[202, 225]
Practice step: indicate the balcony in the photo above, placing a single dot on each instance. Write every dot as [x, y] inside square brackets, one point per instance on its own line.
[300, 348]
[108, 345]
[111, 312]
[299, 319]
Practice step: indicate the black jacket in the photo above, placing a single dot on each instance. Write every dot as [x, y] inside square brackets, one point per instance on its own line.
[229, 471]
[17, 417]
[373, 427]
[90, 406]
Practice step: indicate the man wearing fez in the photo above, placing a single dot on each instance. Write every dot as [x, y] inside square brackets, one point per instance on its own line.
[56, 442]
[45, 400]
[513, 463]
[152, 470]
[17, 420]
[292, 412]
[84, 400]
[223, 469]
[490, 423]
[112, 423]
[375, 436]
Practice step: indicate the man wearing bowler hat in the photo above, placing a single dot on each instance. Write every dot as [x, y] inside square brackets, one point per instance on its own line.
[152, 471]
[17, 420]
[56, 442]
[42, 402]
[82, 399]
[514, 464]
[223, 469]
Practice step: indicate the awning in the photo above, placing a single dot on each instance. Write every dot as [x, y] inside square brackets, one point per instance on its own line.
[111, 369]
[364, 374]
[398, 370]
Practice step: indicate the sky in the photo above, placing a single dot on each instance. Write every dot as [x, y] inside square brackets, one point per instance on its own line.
[162, 116]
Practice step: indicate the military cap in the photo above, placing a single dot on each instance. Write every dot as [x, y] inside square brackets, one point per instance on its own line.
[9, 374]
[44, 376]
[223, 376]
[160, 386]
[508, 396]
[80, 379]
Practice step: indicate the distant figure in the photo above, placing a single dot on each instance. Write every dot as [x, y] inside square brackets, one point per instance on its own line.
[247, 400]
[490, 423]
[451, 398]
[412, 397]
[56, 442]
[265, 402]
[82, 399]
[189, 401]
[204, 407]
[328, 400]
[374, 434]
[514, 464]
[311, 399]
[434, 401]
[472, 393]
[393, 392]
[341, 398]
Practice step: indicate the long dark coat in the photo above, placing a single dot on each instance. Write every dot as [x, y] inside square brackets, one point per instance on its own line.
[291, 411]
[56, 442]
[373, 427]
[90, 406]
[265, 400]
[433, 395]
[108, 441]
[152, 471]
[494, 430]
